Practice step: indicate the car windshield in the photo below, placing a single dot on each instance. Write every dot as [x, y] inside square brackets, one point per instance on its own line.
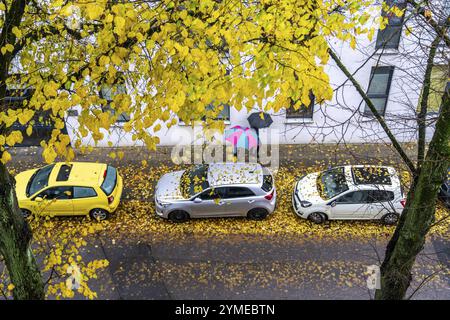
[331, 183]
[39, 180]
[109, 183]
[194, 180]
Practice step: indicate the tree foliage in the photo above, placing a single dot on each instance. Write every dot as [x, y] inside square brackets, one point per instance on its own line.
[176, 57]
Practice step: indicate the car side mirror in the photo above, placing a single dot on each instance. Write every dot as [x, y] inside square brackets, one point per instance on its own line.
[333, 203]
[38, 199]
[198, 200]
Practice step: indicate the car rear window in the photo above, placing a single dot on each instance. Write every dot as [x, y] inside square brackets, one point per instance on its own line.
[371, 175]
[267, 180]
[109, 183]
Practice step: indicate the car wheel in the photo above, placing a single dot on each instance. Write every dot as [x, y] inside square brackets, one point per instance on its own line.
[316, 217]
[257, 214]
[390, 218]
[178, 216]
[25, 213]
[99, 214]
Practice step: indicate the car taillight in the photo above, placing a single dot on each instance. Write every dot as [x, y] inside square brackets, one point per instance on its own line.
[269, 196]
[104, 174]
[403, 202]
[110, 199]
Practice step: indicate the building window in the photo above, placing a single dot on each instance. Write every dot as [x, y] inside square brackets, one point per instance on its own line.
[389, 37]
[224, 113]
[304, 112]
[107, 92]
[438, 82]
[378, 92]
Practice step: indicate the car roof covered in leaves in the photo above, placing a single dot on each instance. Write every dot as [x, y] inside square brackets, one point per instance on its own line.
[220, 174]
[372, 177]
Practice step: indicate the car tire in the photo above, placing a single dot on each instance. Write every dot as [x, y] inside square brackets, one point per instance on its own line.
[390, 218]
[317, 217]
[99, 214]
[257, 214]
[179, 216]
[25, 213]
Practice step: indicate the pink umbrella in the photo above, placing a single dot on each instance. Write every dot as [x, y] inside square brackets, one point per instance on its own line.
[241, 137]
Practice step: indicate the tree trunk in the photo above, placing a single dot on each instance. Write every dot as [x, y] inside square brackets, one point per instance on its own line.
[418, 215]
[423, 106]
[15, 238]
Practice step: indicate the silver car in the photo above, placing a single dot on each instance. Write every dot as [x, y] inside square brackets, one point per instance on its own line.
[216, 190]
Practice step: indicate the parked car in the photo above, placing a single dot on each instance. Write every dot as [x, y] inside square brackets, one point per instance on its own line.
[444, 192]
[216, 190]
[350, 193]
[75, 188]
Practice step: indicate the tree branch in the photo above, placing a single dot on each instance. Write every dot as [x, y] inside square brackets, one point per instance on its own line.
[441, 31]
[372, 108]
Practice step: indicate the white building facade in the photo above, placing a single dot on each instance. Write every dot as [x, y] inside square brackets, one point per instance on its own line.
[390, 68]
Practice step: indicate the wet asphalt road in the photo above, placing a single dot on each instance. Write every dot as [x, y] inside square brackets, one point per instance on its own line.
[242, 267]
[245, 267]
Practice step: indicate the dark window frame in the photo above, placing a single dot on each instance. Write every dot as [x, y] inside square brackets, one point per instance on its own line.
[123, 117]
[304, 112]
[385, 96]
[222, 116]
[393, 29]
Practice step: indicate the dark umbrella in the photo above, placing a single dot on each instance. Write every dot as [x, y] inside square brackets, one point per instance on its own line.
[259, 120]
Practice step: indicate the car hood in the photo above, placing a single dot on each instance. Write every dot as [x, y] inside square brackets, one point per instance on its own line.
[306, 188]
[22, 180]
[168, 187]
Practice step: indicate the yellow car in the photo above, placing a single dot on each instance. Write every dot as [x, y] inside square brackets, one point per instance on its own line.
[74, 188]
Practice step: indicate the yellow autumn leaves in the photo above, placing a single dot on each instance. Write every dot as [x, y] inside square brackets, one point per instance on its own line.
[175, 60]
[62, 243]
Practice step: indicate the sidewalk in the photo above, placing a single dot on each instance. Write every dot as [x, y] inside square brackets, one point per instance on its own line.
[298, 154]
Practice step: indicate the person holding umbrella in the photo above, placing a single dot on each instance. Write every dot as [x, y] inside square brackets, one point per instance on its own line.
[259, 120]
[241, 137]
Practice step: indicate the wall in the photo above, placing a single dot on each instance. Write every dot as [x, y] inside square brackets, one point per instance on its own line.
[339, 120]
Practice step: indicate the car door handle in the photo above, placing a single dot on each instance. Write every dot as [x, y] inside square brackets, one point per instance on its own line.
[251, 201]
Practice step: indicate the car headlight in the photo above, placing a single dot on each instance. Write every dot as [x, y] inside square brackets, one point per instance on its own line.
[162, 204]
[305, 204]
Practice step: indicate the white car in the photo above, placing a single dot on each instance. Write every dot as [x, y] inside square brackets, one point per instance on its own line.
[350, 193]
